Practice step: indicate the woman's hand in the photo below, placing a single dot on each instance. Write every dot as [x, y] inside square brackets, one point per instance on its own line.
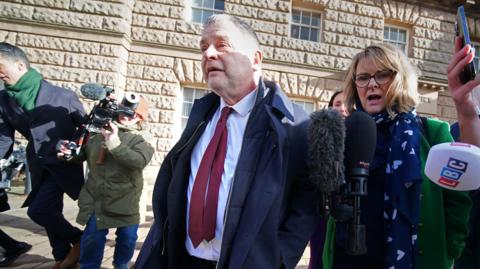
[461, 93]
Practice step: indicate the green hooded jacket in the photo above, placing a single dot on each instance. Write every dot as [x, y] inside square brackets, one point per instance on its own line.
[113, 188]
[443, 226]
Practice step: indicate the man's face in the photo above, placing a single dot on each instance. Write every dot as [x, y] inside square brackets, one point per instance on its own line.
[229, 59]
[10, 70]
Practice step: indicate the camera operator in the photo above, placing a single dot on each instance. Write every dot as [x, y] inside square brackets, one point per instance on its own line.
[43, 114]
[110, 197]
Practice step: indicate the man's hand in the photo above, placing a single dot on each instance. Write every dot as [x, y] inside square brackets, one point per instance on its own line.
[461, 93]
[64, 152]
[110, 133]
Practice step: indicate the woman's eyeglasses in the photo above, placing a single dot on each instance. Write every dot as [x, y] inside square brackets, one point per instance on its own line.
[381, 77]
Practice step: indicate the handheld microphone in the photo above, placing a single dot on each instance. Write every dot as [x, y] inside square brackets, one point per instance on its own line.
[326, 135]
[454, 166]
[360, 144]
[93, 91]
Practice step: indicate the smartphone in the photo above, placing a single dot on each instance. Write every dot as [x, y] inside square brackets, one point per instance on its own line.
[461, 29]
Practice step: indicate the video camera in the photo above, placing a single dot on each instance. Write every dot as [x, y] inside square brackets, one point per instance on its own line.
[106, 110]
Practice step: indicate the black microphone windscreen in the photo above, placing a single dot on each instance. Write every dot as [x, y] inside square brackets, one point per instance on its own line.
[360, 141]
[93, 91]
[326, 136]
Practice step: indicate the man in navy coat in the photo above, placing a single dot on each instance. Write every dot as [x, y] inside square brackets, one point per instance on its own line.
[43, 114]
[264, 204]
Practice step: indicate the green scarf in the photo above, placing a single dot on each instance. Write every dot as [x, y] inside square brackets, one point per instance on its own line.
[26, 89]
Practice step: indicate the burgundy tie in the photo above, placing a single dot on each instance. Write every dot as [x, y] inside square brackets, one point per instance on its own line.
[203, 202]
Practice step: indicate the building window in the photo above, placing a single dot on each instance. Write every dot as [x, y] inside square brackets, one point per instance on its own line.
[476, 59]
[305, 25]
[189, 96]
[308, 106]
[202, 9]
[396, 36]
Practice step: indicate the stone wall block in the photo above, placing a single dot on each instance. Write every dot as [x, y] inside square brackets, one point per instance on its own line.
[139, 20]
[135, 71]
[159, 74]
[368, 33]
[149, 35]
[100, 8]
[116, 25]
[41, 56]
[271, 75]
[162, 130]
[436, 14]
[268, 52]
[153, 116]
[418, 53]
[270, 40]
[289, 56]
[428, 23]
[269, 15]
[188, 70]
[177, 12]
[151, 60]
[241, 10]
[262, 26]
[284, 85]
[166, 102]
[448, 112]
[161, 23]
[321, 60]
[329, 37]
[67, 18]
[144, 86]
[370, 11]
[348, 6]
[346, 18]
[178, 69]
[302, 85]
[447, 27]
[445, 101]
[188, 27]
[167, 116]
[282, 29]
[342, 28]
[114, 51]
[183, 40]
[305, 45]
[60, 4]
[197, 72]
[114, 79]
[362, 21]
[142, 7]
[66, 74]
[332, 15]
[342, 63]
[63, 44]
[170, 89]
[293, 83]
[92, 62]
[352, 41]
[440, 57]
[9, 37]
[10, 10]
[164, 144]
[313, 83]
[283, 6]
[344, 52]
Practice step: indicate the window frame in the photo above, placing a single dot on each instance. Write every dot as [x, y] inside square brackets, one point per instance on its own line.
[304, 100]
[215, 11]
[195, 88]
[407, 36]
[319, 28]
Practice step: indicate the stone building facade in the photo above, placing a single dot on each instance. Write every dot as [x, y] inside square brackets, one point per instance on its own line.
[151, 47]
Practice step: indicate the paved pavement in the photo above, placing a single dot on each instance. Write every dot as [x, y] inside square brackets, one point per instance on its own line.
[16, 223]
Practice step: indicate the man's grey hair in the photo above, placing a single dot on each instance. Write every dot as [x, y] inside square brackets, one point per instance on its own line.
[241, 24]
[14, 53]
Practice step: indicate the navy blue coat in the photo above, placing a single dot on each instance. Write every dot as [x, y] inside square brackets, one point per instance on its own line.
[56, 115]
[271, 211]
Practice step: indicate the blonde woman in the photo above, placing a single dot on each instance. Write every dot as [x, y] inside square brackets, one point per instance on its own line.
[410, 222]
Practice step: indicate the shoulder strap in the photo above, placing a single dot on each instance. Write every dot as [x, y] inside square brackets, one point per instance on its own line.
[422, 123]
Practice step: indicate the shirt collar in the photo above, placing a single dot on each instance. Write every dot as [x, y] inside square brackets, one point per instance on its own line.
[244, 106]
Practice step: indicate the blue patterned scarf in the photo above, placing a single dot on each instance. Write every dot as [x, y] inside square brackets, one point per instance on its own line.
[402, 189]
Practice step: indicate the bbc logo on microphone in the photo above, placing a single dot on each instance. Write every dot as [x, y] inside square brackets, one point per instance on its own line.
[452, 172]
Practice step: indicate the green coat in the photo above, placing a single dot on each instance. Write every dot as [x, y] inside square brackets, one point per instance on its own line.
[444, 213]
[112, 190]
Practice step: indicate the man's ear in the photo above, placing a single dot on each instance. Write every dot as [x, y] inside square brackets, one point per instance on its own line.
[257, 60]
[21, 66]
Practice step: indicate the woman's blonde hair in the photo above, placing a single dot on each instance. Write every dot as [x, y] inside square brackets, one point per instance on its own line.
[402, 95]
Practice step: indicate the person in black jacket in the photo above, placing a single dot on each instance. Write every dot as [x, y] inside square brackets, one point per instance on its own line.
[43, 114]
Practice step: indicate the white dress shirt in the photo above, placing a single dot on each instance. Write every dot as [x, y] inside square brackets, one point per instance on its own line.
[236, 124]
